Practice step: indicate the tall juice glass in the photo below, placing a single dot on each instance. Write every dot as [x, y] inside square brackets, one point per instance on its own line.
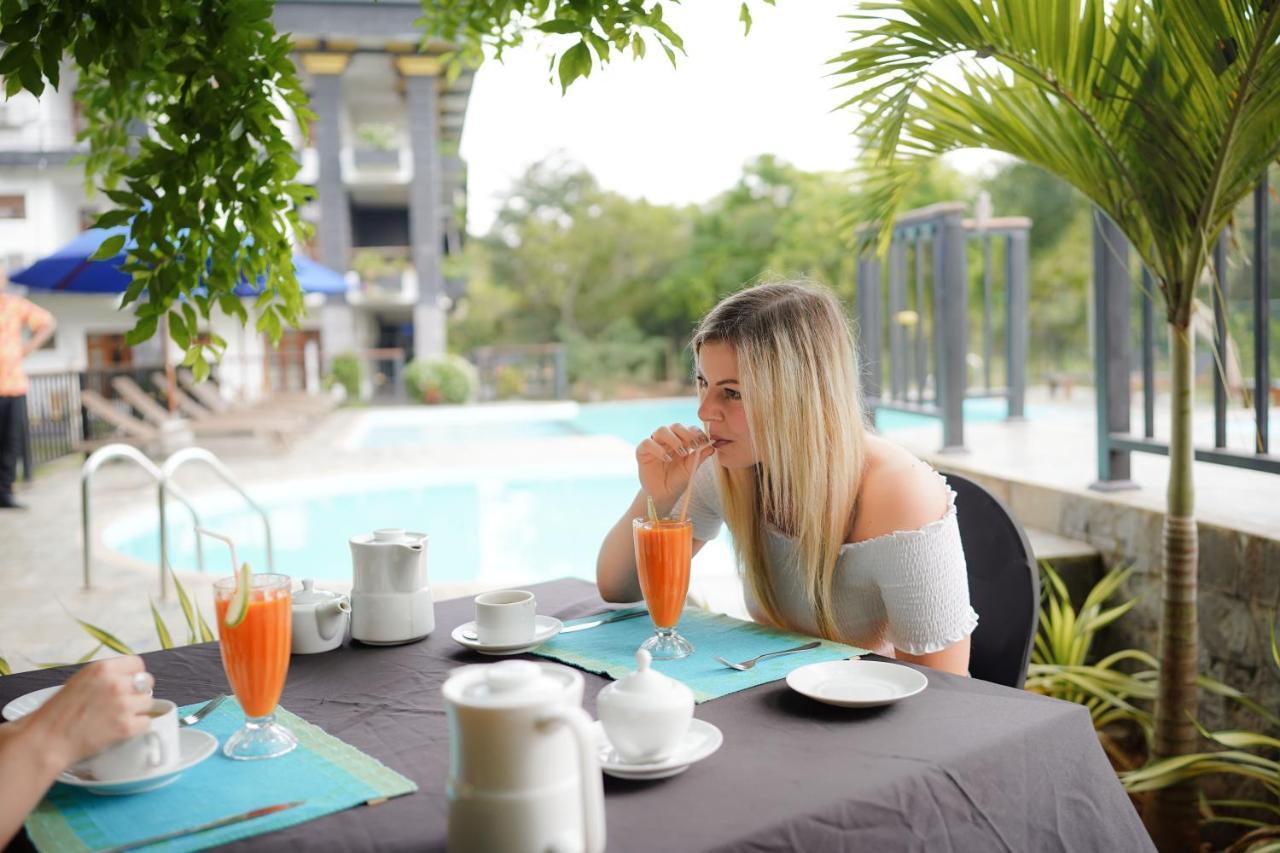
[255, 655]
[664, 550]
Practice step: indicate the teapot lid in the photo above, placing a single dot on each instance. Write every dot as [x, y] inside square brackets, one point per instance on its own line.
[391, 536]
[311, 596]
[648, 683]
[509, 683]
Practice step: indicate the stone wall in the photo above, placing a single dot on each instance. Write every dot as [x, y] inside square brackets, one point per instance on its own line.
[1239, 593]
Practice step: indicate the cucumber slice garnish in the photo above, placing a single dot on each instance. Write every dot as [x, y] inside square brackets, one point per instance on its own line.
[238, 607]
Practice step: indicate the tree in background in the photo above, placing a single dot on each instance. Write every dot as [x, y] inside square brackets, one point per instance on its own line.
[208, 187]
[1165, 115]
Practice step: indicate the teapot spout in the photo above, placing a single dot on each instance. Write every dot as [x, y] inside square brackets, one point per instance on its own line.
[331, 616]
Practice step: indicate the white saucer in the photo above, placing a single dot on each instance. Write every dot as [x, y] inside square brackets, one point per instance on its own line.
[27, 703]
[856, 683]
[544, 628]
[194, 746]
[701, 740]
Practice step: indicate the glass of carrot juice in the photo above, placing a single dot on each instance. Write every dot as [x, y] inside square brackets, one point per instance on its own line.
[255, 655]
[664, 549]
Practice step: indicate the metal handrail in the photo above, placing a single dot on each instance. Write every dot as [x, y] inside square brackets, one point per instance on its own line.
[127, 451]
[199, 454]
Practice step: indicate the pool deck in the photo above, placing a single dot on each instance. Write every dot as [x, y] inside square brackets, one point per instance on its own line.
[41, 568]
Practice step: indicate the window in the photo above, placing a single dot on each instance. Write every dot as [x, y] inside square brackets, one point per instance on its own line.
[13, 207]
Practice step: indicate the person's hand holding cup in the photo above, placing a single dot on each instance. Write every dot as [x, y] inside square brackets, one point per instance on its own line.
[506, 617]
[106, 702]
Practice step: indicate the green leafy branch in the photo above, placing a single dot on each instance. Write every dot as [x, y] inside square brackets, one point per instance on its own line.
[185, 106]
[599, 30]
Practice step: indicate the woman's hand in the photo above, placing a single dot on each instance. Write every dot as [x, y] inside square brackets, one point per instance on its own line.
[667, 460]
[97, 707]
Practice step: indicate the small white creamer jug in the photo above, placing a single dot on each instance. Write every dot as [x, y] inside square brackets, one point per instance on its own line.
[523, 772]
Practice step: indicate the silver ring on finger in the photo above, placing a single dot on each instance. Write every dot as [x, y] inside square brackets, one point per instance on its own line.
[142, 682]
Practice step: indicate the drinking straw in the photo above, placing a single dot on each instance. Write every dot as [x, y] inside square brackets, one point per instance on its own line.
[688, 492]
[653, 509]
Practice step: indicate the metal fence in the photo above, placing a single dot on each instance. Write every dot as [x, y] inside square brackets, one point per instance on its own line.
[57, 423]
[1114, 361]
[527, 372]
[924, 305]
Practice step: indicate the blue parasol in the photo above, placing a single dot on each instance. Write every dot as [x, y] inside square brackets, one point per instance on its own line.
[70, 270]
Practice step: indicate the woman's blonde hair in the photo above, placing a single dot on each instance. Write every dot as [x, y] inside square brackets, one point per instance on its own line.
[797, 368]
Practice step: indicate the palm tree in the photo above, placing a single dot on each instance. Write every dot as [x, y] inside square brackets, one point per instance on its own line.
[1165, 113]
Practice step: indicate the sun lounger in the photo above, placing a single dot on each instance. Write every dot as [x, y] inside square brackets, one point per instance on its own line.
[213, 427]
[197, 411]
[296, 403]
[129, 428]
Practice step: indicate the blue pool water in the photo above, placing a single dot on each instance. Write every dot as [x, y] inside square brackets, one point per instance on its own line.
[499, 525]
[631, 420]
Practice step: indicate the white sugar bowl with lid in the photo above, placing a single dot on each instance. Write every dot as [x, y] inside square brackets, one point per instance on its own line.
[319, 619]
[645, 714]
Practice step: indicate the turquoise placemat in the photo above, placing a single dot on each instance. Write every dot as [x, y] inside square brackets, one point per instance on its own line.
[611, 650]
[328, 774]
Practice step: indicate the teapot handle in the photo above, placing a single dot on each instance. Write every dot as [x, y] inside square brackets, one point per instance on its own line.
[588, 770]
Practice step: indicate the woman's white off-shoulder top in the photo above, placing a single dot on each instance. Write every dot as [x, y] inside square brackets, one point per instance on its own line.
[907, 590]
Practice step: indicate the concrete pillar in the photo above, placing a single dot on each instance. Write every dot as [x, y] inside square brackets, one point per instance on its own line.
[334, 228]
[420, 75]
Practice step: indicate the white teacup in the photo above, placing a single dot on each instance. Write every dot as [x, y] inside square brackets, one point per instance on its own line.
[505, 617]
[151, 751]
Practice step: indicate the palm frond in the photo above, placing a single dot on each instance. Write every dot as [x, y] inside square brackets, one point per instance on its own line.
[1162, 113]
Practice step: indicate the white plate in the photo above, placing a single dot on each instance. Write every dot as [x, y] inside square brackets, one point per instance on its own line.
[701, 740]
[194, 746]
[544, 628]
[27, 703]
[857, 683]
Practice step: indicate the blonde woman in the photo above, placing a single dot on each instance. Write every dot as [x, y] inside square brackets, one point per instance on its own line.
[838, 533]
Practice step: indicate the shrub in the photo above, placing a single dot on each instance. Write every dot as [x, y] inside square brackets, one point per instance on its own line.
[347, 372]
[508, 382]
[440, 379]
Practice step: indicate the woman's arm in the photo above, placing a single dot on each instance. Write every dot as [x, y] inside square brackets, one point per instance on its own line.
[97, 707]
[954, 658]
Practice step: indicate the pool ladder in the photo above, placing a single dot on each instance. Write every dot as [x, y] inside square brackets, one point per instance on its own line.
[164, 488]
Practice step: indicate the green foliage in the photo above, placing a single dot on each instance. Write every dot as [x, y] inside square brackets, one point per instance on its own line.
[594, 30]
[1247, 755]
[380, 135]
[622, 354]
[208, 190]
[509, 382]
[1062, 667]
[443, 379]
[1163, 115]
[347, 371]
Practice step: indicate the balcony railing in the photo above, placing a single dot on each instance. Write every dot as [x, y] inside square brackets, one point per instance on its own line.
[927, 316]
[1248, 304]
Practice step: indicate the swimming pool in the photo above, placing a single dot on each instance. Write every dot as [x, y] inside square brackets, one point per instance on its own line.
[630, 420]
[504, 525]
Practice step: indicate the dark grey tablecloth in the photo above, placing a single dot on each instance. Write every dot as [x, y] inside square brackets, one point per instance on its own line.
[964, 766]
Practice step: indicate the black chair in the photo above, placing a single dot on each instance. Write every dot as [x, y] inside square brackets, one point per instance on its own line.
[1004, 585]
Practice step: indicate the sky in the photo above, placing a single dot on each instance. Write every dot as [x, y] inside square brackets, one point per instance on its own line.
[682, 135]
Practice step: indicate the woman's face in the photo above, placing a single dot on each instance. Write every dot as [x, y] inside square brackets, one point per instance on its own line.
[720, 405]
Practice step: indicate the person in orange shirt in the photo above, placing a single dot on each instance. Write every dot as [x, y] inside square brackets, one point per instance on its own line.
[16, 314]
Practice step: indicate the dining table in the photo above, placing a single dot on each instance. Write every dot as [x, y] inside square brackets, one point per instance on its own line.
[965, 765]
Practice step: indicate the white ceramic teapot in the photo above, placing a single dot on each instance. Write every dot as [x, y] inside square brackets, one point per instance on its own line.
[645, 714]
[523, 772]
[390, 600]
[319, 619]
